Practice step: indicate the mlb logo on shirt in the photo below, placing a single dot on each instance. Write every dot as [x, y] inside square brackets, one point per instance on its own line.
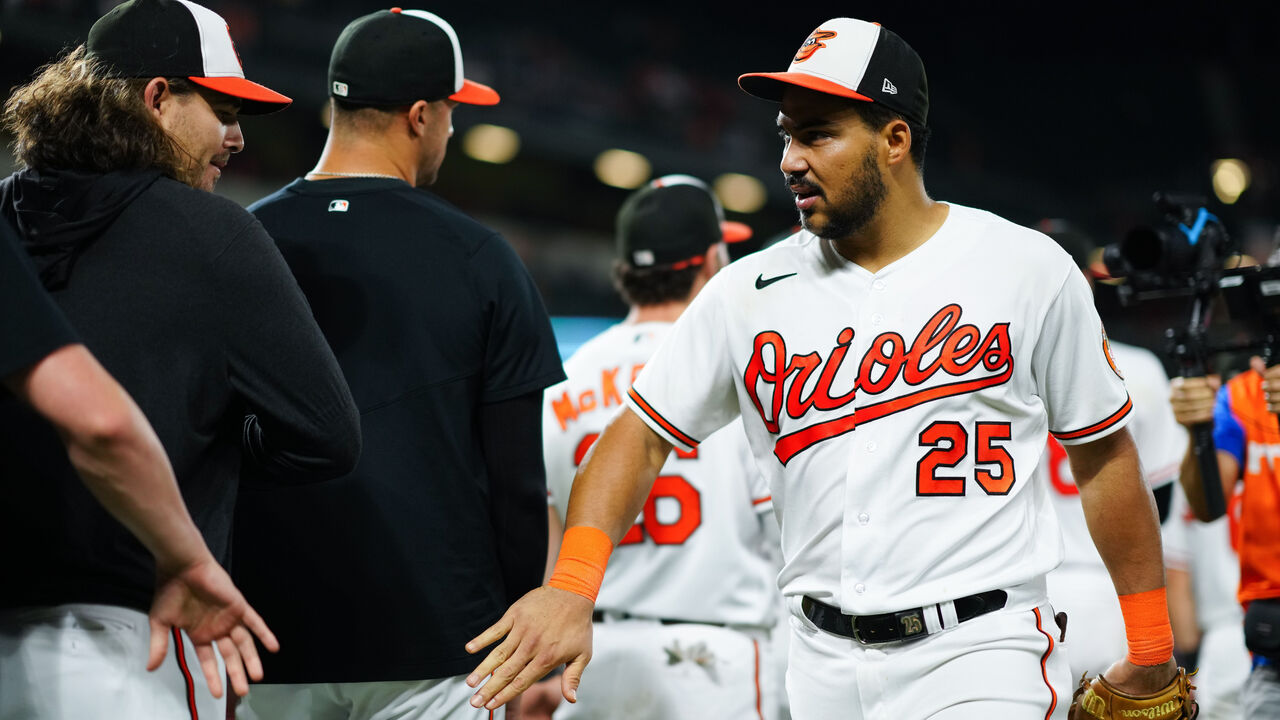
[339, 206]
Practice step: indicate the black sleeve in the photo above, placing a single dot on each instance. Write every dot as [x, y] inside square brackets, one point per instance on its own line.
[301, 423]
[511, 433]
[520, 348]
[31, 326]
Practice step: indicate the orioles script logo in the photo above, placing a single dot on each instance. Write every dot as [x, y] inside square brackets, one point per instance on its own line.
[813, 44]
[781, 379]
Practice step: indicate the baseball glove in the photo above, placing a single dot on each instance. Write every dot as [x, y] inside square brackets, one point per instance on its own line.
[1099, 699]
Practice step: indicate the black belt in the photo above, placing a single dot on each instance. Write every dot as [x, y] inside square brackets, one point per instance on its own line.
[602, 615]
[890, 627]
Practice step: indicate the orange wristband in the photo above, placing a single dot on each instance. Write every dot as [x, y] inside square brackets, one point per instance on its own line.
[1146, 627]
[580, 567]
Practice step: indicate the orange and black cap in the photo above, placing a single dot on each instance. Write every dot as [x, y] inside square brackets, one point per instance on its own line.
[177, 38]
[670, 223]
[854, 59]
[398, 57]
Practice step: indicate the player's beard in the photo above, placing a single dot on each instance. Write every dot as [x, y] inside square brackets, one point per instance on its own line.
[851, 209]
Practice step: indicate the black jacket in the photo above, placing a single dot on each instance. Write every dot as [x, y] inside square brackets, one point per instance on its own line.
[183, 298]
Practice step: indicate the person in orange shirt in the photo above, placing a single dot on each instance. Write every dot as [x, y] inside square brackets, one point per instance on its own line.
[1247, 437]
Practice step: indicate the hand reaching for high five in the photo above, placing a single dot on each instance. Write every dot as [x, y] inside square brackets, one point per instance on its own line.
[201, 600]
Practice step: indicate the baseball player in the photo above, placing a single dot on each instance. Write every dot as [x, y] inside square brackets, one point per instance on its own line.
[1080, 586]
[897, 365]
[187, 303]
[442, 334]
[1205, 554]
[118, 456]
[683, 616]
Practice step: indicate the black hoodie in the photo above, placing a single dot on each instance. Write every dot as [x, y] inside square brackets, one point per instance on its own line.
[184, 298]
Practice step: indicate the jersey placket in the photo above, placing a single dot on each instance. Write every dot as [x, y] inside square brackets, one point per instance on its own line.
[867, 451]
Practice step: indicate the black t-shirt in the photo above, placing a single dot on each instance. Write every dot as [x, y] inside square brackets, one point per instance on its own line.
[184, 299]
[385, 574]
[31, 326]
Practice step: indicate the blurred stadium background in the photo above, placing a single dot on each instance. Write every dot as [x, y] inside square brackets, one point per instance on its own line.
[1038, 111]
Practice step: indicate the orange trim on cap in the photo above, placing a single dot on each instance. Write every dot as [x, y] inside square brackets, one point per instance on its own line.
[764, 499]
[733, 232]
[473, 93]
[767, 85]
[243, 89]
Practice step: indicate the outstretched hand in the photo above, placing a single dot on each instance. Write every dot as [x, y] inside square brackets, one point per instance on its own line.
[543, 630]
[201, 599]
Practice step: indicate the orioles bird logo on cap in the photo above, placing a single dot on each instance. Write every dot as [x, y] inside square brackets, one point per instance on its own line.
[813, 44]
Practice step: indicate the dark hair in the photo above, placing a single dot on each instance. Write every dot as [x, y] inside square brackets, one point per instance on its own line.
[73, 116]
[362, 118]
[876, 116]
[652, 286]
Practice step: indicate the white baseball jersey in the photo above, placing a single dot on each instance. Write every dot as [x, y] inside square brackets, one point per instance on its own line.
[697, 550]
[1081, 585]
[898, 415]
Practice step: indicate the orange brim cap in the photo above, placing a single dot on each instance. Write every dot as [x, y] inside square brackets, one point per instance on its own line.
[258, 99]
[769, 86]
[735, 231]
[473, 93]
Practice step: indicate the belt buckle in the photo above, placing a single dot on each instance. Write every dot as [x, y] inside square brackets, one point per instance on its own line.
[857, 635]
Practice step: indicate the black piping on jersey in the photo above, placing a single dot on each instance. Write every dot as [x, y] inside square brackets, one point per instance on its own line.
[662, 421]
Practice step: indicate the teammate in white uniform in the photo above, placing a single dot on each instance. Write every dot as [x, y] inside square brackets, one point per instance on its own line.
[1080, 586]
[1206, 552]
[897, 366]
[683, 616]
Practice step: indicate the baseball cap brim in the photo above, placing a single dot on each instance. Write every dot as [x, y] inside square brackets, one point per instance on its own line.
[735, 231]
[769, 86]
[473, 93]
[257, 99]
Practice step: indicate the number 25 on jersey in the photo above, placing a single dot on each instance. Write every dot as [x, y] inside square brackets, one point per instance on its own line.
[949, 444]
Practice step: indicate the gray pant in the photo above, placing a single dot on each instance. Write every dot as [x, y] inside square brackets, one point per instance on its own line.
[1261, 693]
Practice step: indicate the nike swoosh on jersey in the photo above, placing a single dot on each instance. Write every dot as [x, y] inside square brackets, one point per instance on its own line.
[761, 283]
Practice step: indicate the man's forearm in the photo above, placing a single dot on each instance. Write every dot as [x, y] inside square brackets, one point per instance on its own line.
[115, 451]
[1120, 512]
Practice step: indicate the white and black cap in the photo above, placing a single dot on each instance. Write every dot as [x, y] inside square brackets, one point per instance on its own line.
[854, 59]
[398, 57]
[177, 38]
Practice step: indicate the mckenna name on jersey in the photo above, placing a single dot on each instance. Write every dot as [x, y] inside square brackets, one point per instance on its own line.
[777, 381]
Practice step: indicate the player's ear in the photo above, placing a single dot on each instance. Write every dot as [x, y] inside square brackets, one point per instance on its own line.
[419, 116]
[155, 94]
[897, 134]
[716, 257]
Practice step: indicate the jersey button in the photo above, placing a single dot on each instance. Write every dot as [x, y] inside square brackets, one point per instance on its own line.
[859, 588]
[871, 446]
[863, 518]
[876, 319]
[878, 284]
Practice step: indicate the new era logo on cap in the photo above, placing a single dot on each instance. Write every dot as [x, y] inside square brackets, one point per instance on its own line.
[854, 59]
[340, 89]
